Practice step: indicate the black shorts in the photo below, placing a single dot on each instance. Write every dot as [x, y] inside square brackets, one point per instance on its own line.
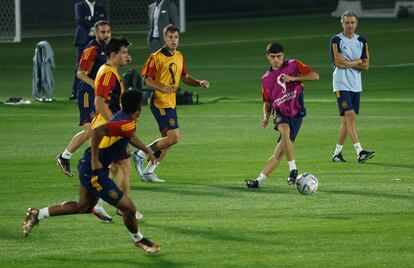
[294, 122]
[100, 185]
[347, 101]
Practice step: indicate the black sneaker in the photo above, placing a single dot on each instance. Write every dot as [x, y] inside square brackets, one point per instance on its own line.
[292, 176]
[252, 183]
[146, 245]
[365, 155]
[338, 158]
[73, 97]
[64, 165]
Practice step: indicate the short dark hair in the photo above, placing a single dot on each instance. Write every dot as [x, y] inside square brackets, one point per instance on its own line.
[101, 23]
[131, 101]
[115, 44]
[274, 48]
[171, 28]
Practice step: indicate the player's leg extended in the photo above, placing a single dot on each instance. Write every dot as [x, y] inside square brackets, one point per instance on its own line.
[274, 160]
[128, 211]
[80, 138]
[85, 205]
[287, 148]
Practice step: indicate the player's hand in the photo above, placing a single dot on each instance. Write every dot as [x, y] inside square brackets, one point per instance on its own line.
[167, 89]
[264, 122]
[204, 83]
[96, 165]
[287, 78]
[151, 157]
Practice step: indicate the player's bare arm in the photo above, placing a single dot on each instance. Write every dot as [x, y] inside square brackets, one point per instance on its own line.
[191, 81]
[137, 143]
[311, 76]
[81, 74]
[155, 86]
[363, 66]
[341, 62]
[97, 135]
[267, 109]
[102, 108]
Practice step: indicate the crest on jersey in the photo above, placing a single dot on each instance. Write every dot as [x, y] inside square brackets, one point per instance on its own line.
[172, 122]
[344, 104]
[113, 194]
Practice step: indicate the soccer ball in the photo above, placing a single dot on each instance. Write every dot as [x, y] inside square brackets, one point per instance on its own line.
[306, 183]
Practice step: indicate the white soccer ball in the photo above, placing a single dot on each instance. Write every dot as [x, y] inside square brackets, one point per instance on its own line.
[307, 183]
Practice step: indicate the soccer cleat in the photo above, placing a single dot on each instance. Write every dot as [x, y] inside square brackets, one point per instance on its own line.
[30, 220]
[138, 215]
[252, 183]
[146, 245]
[101, 214]
[365, 155]
[64, 165]
[139, 162]
[151, 177]
[292, 177]
[338, 158]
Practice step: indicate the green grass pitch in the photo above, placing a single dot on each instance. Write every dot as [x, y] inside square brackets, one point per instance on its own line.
[203, 216]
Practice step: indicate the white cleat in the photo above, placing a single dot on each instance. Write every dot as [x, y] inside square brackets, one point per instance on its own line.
[139, 161]
[30, 220]
[151, 177]
[138, 215]
[100, 212]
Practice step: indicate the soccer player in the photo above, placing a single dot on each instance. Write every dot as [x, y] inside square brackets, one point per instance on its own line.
[282, 91]
[108, 144]
[93, 57]
[350, 55]
[162, 73]
[108, 89]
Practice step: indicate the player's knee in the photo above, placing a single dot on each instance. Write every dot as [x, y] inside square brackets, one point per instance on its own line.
[86, 208]
[174, 138]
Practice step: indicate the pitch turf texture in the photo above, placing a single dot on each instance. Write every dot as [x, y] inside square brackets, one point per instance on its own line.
[203, 216]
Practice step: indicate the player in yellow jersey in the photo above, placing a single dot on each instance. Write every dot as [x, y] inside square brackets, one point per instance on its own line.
[162, 73]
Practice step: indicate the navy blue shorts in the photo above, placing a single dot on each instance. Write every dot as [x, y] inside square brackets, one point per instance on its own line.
[347, 101]
[86, 105]
[294, 122]
[100, 185]
[166, 118]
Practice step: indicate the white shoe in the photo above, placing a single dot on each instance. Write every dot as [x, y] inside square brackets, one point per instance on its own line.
[138, 215]
[151, 177]
[100, 212]
[139, 162]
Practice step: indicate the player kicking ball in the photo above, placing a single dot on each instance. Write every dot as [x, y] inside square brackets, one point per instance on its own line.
[108, 144]
[282, 92]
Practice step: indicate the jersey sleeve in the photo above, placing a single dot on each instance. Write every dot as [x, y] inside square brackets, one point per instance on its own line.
[365, 52]
[106, 84]
[149, 69]
[302, 68]
[124, 128]
[184, 71]
[335, 46]
[87, 59]
[265, 96]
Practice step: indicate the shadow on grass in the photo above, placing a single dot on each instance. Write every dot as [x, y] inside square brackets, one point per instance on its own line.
[214, 190]
[140, 259]
[410, 166]
[369, 194]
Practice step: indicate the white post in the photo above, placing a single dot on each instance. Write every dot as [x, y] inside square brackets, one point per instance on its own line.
[18, 21]
[182, 16]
